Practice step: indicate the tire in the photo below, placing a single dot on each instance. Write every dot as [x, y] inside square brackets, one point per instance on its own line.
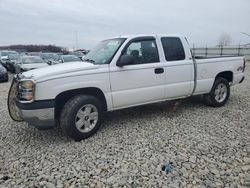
[81, 117]
[219, 93]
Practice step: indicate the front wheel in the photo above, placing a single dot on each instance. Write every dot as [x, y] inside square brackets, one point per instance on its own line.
[219, 93]
[80, 117]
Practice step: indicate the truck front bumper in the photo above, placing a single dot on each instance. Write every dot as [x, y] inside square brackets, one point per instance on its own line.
[39, 113]
[40, 118]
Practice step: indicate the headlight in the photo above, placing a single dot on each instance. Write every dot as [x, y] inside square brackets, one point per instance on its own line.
[26, 91]
[27, 84]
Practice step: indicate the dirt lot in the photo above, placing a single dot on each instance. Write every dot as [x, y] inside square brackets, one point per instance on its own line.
[209, 147]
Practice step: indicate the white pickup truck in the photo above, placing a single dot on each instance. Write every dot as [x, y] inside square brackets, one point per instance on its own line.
[119, 73]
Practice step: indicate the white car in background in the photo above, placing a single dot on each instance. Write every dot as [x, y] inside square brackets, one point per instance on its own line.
[30, 62]
[68, 58]
[4, 55]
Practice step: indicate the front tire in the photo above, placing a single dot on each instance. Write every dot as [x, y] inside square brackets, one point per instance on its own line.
[219, 93]
[81, 116]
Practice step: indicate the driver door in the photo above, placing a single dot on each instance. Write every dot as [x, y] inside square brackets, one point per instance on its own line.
[142, 81]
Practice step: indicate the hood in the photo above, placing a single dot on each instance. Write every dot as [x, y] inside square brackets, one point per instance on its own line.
[33, 65]
[58, 70]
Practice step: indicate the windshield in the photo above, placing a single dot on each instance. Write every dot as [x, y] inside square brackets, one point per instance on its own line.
[13, 56]
[32, 59]
[104, 51]
[34, 53]
[70, 58]
[49, 56]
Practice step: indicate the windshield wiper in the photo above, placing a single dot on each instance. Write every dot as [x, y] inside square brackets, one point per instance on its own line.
[89, 60]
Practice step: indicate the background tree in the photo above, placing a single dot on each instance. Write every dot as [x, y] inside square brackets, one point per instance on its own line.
[224, 39]
[35, 48]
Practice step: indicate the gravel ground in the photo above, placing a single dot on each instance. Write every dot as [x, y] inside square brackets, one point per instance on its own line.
[209, 147]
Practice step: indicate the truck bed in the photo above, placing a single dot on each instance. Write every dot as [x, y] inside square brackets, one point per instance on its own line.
[208, 68]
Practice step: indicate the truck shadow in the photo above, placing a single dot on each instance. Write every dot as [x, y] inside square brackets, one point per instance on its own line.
[117, 119]
[166, 109]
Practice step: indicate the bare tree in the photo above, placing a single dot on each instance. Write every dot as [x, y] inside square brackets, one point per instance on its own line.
[224, 39]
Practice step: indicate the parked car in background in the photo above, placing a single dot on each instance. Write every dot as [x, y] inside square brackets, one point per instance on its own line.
[12, 60]
[3, 74]
[4, 56]
[82, 51]
[68, 58]
[29, 62]
[50, 58]
[33, 53]
[79, 54]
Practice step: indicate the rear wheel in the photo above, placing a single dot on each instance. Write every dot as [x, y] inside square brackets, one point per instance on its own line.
[81, 116]
[219, 93]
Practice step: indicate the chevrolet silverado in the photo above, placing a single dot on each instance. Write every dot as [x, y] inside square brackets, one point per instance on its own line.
[119, 73]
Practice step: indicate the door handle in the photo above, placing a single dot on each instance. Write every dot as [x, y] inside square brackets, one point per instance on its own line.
[159, 70]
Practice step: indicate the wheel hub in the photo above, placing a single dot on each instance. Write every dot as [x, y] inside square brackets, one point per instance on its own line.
[220, 92]
[86, 118]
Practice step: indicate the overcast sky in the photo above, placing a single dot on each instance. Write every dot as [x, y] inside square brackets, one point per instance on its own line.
[60, 21]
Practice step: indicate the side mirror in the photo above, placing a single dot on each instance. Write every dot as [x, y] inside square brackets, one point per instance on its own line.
[125, 60]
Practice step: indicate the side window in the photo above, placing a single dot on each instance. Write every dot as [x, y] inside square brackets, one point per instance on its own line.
[143, 51]
[173, 48]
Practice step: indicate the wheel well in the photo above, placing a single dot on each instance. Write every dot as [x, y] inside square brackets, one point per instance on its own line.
[228, 75]
[63, 97]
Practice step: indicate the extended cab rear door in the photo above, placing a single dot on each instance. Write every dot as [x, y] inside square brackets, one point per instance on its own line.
[141, 82]
[178, 67]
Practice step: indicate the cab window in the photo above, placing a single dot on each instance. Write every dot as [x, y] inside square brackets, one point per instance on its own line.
[143, 51]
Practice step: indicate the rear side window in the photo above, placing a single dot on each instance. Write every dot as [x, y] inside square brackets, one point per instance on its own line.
[173, 48]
